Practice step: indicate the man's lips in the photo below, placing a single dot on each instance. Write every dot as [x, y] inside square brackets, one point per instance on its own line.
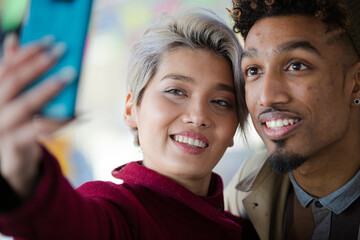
[279, 125]
[276, 124]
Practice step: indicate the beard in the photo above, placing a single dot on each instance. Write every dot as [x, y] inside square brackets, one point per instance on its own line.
[282, 161]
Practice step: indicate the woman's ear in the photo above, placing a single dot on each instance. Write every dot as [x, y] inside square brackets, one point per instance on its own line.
[130, 113]
[231, 143]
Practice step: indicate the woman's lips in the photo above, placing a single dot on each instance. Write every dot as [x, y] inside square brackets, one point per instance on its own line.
[190, 142]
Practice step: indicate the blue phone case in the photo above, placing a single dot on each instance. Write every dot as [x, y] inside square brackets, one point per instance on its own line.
[67, 21]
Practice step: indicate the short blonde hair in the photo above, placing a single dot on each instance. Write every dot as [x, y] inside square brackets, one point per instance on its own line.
[195, 29]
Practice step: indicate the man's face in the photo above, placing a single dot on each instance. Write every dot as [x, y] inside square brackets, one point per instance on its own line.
[296, 92]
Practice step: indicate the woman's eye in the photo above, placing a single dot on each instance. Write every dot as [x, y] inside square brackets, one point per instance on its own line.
[297, 66]
[223, 103]
[176, 91]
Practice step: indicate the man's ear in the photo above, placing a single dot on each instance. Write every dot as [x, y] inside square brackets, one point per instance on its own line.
[130, 113]
[356, 88]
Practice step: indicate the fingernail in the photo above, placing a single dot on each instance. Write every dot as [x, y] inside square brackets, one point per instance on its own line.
[10, 39]
[66, 75]
[47, 41]
[58, 50]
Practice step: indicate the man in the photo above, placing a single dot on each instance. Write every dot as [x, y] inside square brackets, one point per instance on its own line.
[302, 77]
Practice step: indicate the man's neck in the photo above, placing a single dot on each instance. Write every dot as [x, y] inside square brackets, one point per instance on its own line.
[333, 166]
[322, 175]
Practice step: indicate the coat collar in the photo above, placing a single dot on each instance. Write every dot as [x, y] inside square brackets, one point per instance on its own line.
[136, 173]
[211, 206]
[255, 178]
[266, 202]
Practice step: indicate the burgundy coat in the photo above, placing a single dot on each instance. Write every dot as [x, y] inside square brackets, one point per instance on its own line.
[146, 206]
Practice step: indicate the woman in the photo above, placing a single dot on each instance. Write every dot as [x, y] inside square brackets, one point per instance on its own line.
[184, 104]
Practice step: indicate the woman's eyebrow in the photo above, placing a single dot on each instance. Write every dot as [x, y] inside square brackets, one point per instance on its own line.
[219, 86]
[177, 77]
[224, 87]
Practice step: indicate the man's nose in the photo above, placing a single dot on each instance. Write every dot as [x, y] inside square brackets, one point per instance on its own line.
[274, 89]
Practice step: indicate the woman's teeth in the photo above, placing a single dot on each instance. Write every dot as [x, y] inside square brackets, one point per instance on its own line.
[277, 124]
[190, 141]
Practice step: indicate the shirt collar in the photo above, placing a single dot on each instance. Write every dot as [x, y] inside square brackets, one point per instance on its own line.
[337, 201]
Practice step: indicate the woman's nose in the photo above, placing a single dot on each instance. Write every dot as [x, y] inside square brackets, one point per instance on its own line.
[198, 115]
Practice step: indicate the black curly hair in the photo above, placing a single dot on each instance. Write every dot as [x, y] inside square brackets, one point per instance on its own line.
[247, 12]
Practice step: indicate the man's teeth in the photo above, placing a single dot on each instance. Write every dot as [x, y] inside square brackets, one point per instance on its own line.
[277, 124]
[190, 141]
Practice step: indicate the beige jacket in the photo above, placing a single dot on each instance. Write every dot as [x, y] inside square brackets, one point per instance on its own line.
[258, 193]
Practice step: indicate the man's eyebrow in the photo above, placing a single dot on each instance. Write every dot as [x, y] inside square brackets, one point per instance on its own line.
[305, 45]
[285, 47]
[251, 52]
[177, 77]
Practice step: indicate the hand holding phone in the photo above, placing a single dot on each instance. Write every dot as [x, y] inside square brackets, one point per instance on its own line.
[19, 131]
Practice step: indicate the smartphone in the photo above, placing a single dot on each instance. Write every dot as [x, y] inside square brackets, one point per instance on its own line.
[68, 22]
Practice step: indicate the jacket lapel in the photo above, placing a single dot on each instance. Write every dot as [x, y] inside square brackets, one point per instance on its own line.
[265, 204]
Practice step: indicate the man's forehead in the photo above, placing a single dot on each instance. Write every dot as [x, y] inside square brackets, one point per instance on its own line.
[279, 33]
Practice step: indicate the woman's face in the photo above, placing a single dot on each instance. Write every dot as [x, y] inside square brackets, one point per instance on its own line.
[187, 116]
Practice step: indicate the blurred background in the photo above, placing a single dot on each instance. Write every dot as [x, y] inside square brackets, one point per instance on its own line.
[98, 141]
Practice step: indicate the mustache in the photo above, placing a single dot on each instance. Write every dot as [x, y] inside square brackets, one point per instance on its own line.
[268, 110]
[276, 109]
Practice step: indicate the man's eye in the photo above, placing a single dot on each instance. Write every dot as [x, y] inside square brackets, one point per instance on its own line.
[297, 66]
[176, 91]
[251, 71]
